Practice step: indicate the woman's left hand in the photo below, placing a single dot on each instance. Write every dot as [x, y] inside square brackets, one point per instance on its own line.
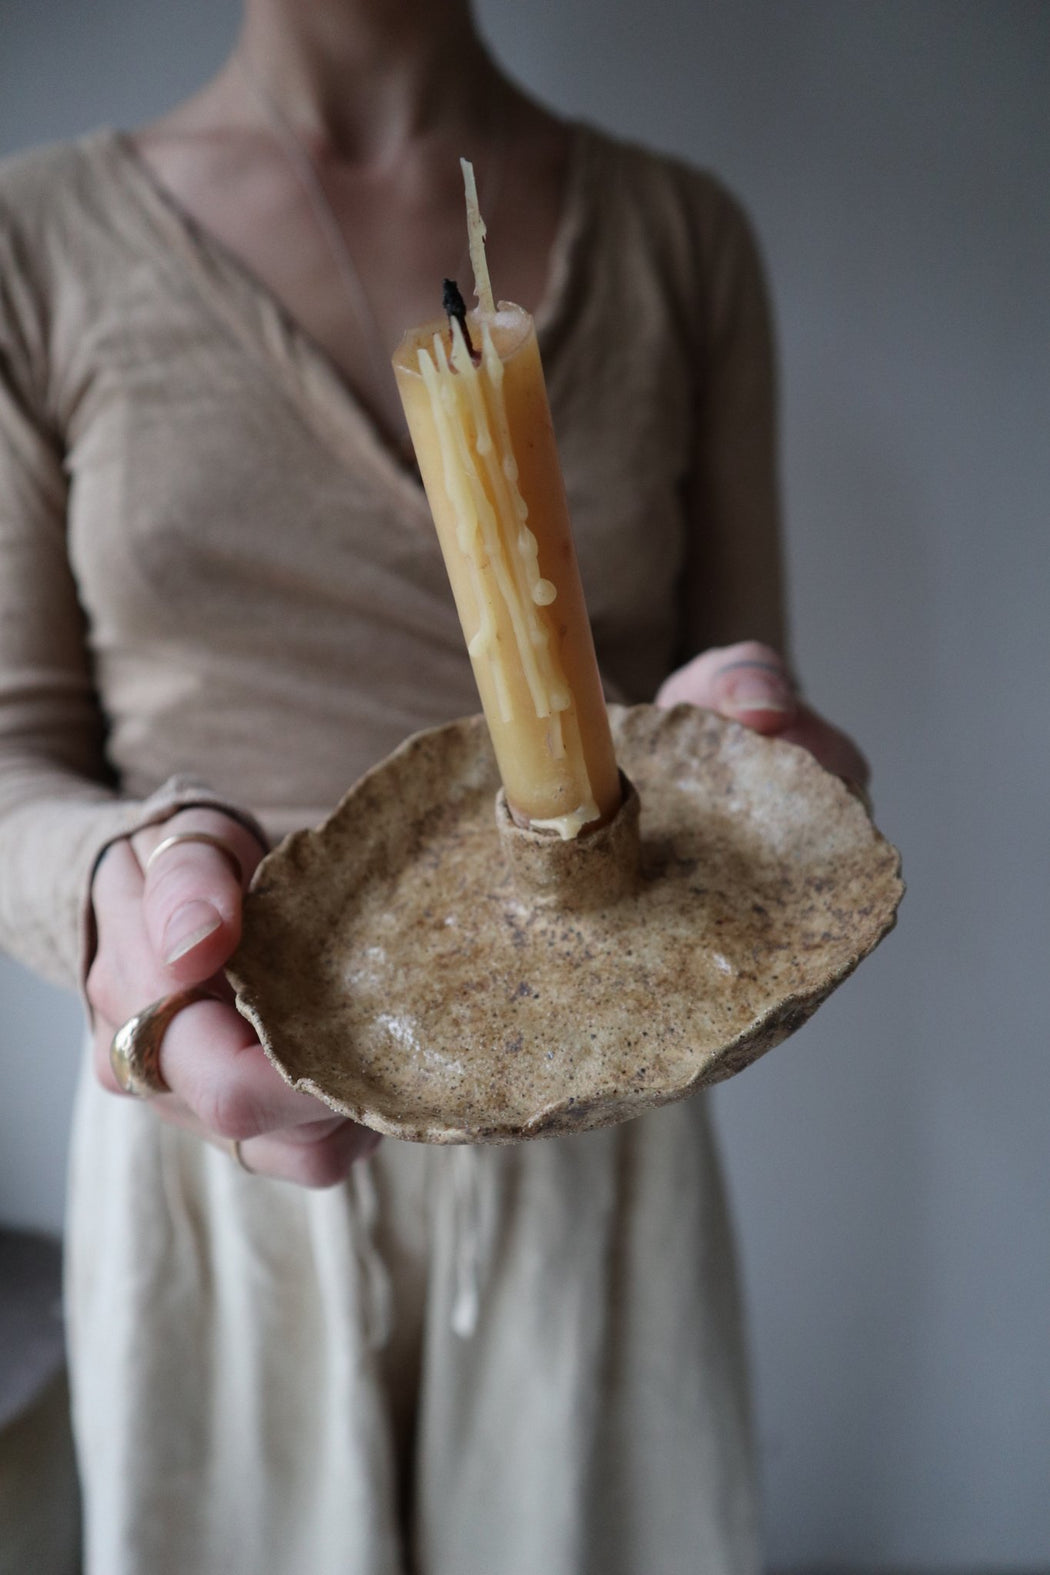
[750, 683]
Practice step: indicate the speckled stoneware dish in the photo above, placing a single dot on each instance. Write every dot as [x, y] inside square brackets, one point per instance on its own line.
[445, 978]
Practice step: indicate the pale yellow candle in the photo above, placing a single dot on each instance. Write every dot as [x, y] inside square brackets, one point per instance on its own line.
[484, 441]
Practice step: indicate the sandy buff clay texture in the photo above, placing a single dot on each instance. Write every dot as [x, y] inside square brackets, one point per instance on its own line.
[443, 979]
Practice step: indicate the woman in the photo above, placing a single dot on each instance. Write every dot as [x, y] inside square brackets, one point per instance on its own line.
[215, 559]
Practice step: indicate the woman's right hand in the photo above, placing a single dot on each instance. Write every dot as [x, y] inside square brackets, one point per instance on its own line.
[175, 924]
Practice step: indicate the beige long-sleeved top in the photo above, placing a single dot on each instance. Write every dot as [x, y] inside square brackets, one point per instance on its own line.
[215, 578]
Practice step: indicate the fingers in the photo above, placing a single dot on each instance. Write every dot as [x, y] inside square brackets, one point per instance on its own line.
[221, 1085]
[219, 1073]
[213, 1062]
[751, 683]
[192, 890]
[835, 750]
[125, 975]
[168, 914]
[308, 1158]
[748, 683]
[224, 1088]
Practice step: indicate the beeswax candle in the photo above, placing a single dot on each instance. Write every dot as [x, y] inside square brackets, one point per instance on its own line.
[476, 405]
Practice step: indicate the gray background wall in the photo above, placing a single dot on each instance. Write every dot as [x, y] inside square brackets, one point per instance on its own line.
[889, 1164]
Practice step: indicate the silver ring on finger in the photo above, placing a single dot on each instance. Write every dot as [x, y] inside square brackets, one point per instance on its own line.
[134, 1054]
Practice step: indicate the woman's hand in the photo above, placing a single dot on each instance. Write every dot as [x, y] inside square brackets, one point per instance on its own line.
[750, 683]
[175, 922]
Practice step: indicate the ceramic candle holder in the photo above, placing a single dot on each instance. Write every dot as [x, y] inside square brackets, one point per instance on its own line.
[424, 966]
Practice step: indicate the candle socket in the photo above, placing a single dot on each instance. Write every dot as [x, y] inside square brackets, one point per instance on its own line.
[594, 870]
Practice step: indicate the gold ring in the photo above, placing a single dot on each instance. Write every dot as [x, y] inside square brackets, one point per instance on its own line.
[134, 1054]
[233, 1146]
[198, 836]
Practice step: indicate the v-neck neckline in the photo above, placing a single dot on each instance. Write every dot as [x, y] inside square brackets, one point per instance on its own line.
[288, 351]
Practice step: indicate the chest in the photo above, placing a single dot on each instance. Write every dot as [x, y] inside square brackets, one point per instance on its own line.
[223, 470]
[356, 259]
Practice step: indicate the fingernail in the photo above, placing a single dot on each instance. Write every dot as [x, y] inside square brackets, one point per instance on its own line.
[187, 927]
[756, 692]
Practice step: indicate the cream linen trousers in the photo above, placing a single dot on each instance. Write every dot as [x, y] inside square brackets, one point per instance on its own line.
[477, 1361]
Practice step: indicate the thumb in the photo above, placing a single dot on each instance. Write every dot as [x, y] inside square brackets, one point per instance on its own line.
[196, 868]
[747, 682]
[756, 689]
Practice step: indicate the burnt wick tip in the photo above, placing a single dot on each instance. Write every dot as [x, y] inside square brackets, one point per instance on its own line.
[454, 306]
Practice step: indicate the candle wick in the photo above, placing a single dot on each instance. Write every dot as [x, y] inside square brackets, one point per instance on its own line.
[454, 306]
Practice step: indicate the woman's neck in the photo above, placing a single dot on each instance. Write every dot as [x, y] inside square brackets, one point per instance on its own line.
[359, 80]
